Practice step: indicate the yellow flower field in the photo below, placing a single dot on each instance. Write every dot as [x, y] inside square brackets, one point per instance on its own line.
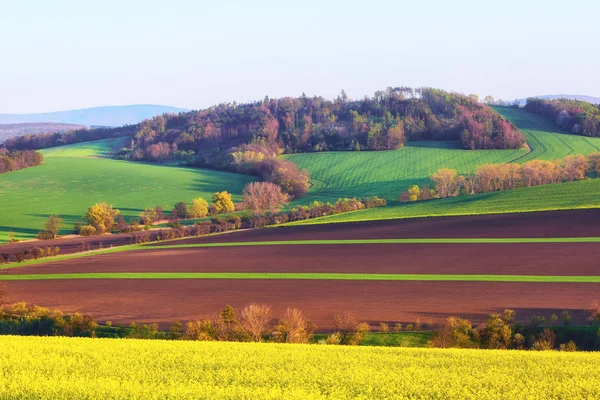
[73, 368]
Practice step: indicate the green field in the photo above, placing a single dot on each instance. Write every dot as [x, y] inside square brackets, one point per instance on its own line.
[562, 196]
[546, 143]
[305, 276]
[387, 173]
[81, 368]
[75, 177]
[545, 140]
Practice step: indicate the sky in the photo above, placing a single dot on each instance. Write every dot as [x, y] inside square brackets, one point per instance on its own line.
[62, 54]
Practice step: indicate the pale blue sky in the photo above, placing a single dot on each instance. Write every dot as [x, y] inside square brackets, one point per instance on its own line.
[65, 54]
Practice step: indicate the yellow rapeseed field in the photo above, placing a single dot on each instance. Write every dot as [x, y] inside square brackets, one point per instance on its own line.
[32, 367]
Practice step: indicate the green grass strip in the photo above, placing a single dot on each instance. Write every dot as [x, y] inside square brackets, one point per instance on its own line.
[69, 256]
[381, 241]
[304, 276]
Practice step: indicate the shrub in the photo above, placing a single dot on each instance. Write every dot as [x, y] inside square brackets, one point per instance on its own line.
[87, 230]
[180, 210]
[569, 346]
[383, 327]
[198, 208]
[222, 203]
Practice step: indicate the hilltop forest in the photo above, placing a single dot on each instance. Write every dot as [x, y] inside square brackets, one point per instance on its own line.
[574, 116]
[248, 137]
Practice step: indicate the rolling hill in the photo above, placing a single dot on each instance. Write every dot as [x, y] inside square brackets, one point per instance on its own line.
[75, 177]
[388, 173]
[96, 116]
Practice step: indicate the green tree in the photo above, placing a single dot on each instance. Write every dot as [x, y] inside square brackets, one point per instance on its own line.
[102, 217]
[222, 202]
[180, 210]
[414, 193]
[198, 208]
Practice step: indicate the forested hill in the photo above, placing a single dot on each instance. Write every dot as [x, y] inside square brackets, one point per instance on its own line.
[305, 124]
[574, 116]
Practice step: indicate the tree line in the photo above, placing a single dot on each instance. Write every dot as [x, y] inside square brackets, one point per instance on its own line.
[501, 332]
[497, 177]
[257, 323]
[260, 206]
[12, 160]
[574, 116]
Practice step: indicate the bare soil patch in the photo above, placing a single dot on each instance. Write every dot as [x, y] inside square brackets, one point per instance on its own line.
[576, 223]
[504, 258]
[165, 301]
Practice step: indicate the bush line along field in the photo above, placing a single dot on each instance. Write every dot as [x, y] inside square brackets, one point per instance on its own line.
[74, 177]
[386, 174]
[560, 196]
[111, 368]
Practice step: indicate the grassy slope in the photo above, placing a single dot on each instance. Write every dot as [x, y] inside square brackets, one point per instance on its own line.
[75, 177]
[387, 173]
[36, 367]
[546, 143]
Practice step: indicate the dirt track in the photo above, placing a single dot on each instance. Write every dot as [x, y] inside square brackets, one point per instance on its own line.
[518, 259]
[123, 301]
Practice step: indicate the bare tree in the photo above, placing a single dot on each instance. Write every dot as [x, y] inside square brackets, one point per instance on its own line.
[256, 319]
[260, 197]
[53, 225]
[294, 327]
[3, 295]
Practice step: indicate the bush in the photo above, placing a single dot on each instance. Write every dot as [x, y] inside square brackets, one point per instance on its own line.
[87, 230]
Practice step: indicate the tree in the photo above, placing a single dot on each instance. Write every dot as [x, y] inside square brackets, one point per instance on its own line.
[474, 97]
[446, 182]
[3, 295]
[53, 225]
[198, 208]
[102, 217]
[456, 332]
[488, 100]
[256, 319]
[294, 327]
[222, 202]
[260, 197]
[414, 193]
[180, 210]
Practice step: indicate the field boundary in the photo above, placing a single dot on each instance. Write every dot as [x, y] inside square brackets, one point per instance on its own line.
[306, 276]
[378, 241]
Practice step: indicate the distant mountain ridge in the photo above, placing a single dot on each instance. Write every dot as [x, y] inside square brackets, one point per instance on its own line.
[96, 116]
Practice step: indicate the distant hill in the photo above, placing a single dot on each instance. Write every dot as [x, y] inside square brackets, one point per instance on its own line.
[12, 130]
[589, 99]
[97, 116]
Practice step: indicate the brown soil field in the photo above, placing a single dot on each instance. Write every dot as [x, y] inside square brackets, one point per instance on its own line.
[575, 223]
[572, 223]
[516, 259]
[165, 301]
